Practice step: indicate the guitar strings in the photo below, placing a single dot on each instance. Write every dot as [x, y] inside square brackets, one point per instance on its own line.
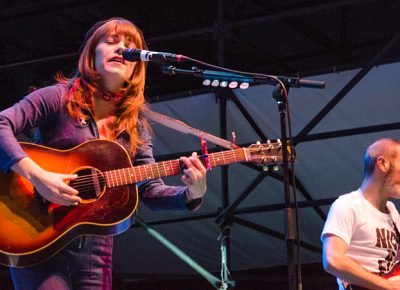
[150, 170]
[84, 182]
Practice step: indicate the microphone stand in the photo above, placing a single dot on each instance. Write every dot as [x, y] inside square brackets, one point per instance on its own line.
[280, 94]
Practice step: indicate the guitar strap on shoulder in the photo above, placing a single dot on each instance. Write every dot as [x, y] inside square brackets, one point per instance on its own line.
[185, 128]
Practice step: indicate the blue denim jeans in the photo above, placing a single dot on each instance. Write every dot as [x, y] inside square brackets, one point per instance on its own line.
[85, 264]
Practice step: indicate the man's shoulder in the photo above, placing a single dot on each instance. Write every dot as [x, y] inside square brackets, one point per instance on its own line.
[354, 196]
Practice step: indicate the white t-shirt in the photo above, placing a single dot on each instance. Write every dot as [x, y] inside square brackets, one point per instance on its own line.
[370, 234]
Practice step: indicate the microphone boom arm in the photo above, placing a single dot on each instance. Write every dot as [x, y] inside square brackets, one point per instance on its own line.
[294, 82]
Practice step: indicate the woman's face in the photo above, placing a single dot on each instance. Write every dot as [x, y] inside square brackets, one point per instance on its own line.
[110, 65]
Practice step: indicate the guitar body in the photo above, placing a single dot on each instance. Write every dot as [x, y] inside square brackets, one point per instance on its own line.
[32, 230]
[393, 274]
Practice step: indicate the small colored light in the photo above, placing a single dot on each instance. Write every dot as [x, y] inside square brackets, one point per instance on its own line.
[223, 84]
[215, 83]
[244, 86]
[206, 82]
[233, 85]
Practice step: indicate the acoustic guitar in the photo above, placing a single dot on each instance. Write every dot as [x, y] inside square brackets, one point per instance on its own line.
[393, 274]
[32, 230]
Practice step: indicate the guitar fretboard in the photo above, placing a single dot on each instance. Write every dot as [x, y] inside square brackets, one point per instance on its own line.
[131, 175]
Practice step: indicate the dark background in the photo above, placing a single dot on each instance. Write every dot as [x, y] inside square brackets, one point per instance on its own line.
[294, 38]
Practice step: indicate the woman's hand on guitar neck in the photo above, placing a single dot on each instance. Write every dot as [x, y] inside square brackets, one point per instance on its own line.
[194, 176]
[51, 186]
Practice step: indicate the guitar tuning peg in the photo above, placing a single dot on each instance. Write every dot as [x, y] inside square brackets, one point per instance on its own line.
[259, 147]
[275, 167]
[265, 168]
[268, 141]
[278, 141]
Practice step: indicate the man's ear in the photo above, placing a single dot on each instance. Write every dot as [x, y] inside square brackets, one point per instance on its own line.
[383, 164]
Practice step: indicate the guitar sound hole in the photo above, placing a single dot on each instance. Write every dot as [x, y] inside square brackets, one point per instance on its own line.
[90, 183]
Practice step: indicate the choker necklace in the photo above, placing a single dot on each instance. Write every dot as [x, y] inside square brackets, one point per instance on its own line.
[105, 96]
[112, 97]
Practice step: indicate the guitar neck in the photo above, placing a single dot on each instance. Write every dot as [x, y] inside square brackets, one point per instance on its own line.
[131, 175]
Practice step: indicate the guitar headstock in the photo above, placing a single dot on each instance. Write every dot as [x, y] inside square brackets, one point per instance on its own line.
[269, 153]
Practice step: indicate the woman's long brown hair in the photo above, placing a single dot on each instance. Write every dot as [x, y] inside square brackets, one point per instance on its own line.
[86, 83]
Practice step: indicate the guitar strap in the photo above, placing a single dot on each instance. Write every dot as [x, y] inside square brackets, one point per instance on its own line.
[185, 128]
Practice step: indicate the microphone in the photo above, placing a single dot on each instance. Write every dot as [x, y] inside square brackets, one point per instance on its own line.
[134, 54]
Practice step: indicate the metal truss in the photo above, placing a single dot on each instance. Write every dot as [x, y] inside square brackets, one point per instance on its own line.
[228, 213]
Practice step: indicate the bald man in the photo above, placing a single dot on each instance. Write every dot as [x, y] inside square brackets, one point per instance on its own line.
[361, 237]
